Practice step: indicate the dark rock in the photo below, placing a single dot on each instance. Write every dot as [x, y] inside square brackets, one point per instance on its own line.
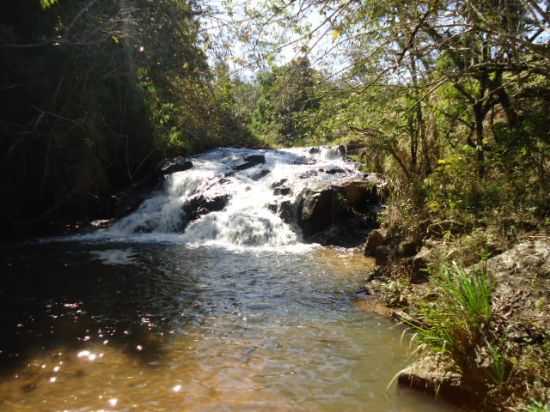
[203, 204]
[262, 173]
[308, 174]
[381, 254]
[287, 212]
[422, 259]
[130, 199]
[304, 161]
[407, 248]
[250, 161]
[335, 170]
[282, 191]
[314, 150]
[376, 238]
[177, 164]
[279, 183]
[343, 210]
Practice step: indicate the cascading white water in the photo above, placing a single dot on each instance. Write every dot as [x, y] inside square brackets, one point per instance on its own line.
[249, 217]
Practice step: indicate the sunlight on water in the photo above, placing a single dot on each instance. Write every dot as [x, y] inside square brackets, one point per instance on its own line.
[161, 327]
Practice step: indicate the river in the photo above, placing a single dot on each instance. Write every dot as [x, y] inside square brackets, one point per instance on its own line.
[233, 314]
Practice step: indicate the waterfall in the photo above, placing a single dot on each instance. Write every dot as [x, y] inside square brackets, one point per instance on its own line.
[235, 197]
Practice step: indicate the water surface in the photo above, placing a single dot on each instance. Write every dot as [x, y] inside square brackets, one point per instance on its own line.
[160, 326]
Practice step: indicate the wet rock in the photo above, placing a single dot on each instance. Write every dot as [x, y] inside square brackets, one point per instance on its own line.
[335, 170]
[249, 161]
[282, 191]
[177, 164]
[203, 204]
[314, 150]
[129, 200]
[339, 213]
[308, 174]
[304, 161]
[278, 183]
[287, 212]
[261, 174]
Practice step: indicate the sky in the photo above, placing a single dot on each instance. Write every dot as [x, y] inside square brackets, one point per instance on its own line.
[243, 44]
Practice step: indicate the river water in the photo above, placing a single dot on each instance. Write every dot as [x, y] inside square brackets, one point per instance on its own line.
[240, 316]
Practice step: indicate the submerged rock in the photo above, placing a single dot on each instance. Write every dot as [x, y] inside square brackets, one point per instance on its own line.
[261, 174]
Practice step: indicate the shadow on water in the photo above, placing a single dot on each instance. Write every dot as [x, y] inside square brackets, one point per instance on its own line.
[52, 298]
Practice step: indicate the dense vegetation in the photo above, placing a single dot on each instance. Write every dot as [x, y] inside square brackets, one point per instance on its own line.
[95, 93]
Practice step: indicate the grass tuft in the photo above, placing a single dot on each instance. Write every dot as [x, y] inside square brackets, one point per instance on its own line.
[457, 322]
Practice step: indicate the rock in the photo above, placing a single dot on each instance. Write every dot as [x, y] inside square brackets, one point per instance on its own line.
[203, 204]
[282, 191]
[407, 248]
[287, 212]
[422, 259]
[532, 256]
[521, 277]
[278, 183]
[249, 161]
[177, 164]
[376, 238]
[335, 170]
[130, 199]
[428, 375]
[303, 161]
[308, 174]
[314, 150]
[344, 210]
[261, 174]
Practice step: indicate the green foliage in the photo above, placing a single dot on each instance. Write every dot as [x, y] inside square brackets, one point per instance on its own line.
[48, 3]
[538, 407]
[457, 323]
[500, 367]
[99, 92]
[286, 97]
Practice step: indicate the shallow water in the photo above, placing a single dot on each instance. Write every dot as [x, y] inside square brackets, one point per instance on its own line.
[159, 326]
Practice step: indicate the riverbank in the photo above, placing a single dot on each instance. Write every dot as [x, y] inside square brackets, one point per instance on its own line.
[500, 362]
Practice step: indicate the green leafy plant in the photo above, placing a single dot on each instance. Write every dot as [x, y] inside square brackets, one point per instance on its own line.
[456, 324]
[538, 407]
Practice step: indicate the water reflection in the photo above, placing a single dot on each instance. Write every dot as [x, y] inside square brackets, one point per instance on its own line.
[167, 328]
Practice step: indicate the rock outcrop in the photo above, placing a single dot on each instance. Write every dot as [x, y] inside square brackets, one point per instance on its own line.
[339, 212]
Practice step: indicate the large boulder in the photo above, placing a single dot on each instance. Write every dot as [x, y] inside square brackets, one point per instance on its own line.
[339, 212]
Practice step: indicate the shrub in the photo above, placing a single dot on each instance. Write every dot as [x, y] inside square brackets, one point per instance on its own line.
[456, 324]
